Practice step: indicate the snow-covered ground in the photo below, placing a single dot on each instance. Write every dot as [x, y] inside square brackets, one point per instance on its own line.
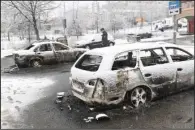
[17, 93]
[5, 53]
[7, 47]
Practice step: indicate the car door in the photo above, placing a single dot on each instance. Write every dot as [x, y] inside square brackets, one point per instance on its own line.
[46, 53]
[63, 53]
[183, 62]
[157, 71]
[97, 41]
[126, 72]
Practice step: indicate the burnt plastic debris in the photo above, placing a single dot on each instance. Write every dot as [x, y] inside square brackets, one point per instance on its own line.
[101, 117]
[59, 99]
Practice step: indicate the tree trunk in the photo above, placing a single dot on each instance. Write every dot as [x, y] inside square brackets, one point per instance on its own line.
[36, 29]
[8, 36]
[29, 38]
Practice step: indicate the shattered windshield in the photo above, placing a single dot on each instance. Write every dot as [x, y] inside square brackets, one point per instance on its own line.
[89, 62]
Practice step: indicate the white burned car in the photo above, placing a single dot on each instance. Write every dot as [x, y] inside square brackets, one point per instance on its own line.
[136, 73]
[47, 52]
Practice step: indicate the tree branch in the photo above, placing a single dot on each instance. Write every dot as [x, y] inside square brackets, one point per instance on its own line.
[20, 11]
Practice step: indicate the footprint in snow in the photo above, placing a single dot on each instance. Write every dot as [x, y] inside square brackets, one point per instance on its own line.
[9, 98]
[17, 108]
[14, 92]
[19, 102]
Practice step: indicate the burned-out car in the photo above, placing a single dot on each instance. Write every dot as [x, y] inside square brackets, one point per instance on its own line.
[48, 52]
[137, 73]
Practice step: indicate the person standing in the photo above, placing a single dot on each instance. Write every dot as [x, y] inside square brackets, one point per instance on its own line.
[104, 37]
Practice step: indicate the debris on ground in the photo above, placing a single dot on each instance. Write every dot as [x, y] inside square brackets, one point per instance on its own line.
[124, 107]
[127, 107]
[13, 68]
[189, 120]
[69, 107]
[60, 97]
[91, 109]
[89, 119]
[102, 117]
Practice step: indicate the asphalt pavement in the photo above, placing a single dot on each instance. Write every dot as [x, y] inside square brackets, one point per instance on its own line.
[176, 111]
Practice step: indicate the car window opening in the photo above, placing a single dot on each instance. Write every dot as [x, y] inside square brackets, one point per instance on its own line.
[127, 59]
[89, 62]
[45, 47]
[178, 55]
[151, 57]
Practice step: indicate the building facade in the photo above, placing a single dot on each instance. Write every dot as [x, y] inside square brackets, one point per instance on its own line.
[187, 11]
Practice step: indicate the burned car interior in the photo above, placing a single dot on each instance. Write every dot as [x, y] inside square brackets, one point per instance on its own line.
[151, 57]
[127, 59]
[178, 55]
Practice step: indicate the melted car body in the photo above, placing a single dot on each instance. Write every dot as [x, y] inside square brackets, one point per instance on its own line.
[110, 75]
[46, 53]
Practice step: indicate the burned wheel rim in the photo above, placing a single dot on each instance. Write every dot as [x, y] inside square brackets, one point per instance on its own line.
[138, 97]
[36, 64]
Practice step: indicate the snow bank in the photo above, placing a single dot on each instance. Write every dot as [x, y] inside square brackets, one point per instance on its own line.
[120, 41]
[7, 47]
[17, 93]
[5, 53]
[159, 38]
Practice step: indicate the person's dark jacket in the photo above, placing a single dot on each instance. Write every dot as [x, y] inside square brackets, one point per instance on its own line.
[104, 37]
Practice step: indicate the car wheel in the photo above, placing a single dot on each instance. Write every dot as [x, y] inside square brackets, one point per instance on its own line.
[138, 97]
[36, 63]
[87, 47]
[111, 44]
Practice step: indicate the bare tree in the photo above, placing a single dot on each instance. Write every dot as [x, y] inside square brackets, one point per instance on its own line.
[31, 11]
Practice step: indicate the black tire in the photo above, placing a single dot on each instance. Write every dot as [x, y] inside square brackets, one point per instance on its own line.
[36, 63]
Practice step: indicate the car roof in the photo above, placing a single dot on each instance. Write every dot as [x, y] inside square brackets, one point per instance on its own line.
[128, 47]
[46, 42]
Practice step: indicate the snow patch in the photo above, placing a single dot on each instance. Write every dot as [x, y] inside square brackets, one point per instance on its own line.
[17, 93]
[121, 41]
[5, 53]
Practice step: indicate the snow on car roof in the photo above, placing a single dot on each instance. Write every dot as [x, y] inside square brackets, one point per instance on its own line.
[45, 42]
[126, 47]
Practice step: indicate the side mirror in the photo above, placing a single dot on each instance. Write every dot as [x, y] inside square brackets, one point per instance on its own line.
[93, 40]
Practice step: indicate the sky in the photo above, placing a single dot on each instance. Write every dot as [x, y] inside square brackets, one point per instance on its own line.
[69, 5]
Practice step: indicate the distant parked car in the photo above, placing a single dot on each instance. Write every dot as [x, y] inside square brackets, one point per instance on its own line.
[62, 40]
[132, 38]
[136, 73]
[91, 41]
[145, 35]
[47, 52]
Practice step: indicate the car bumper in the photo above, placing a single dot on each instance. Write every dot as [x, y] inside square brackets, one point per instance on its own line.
[86, 95]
